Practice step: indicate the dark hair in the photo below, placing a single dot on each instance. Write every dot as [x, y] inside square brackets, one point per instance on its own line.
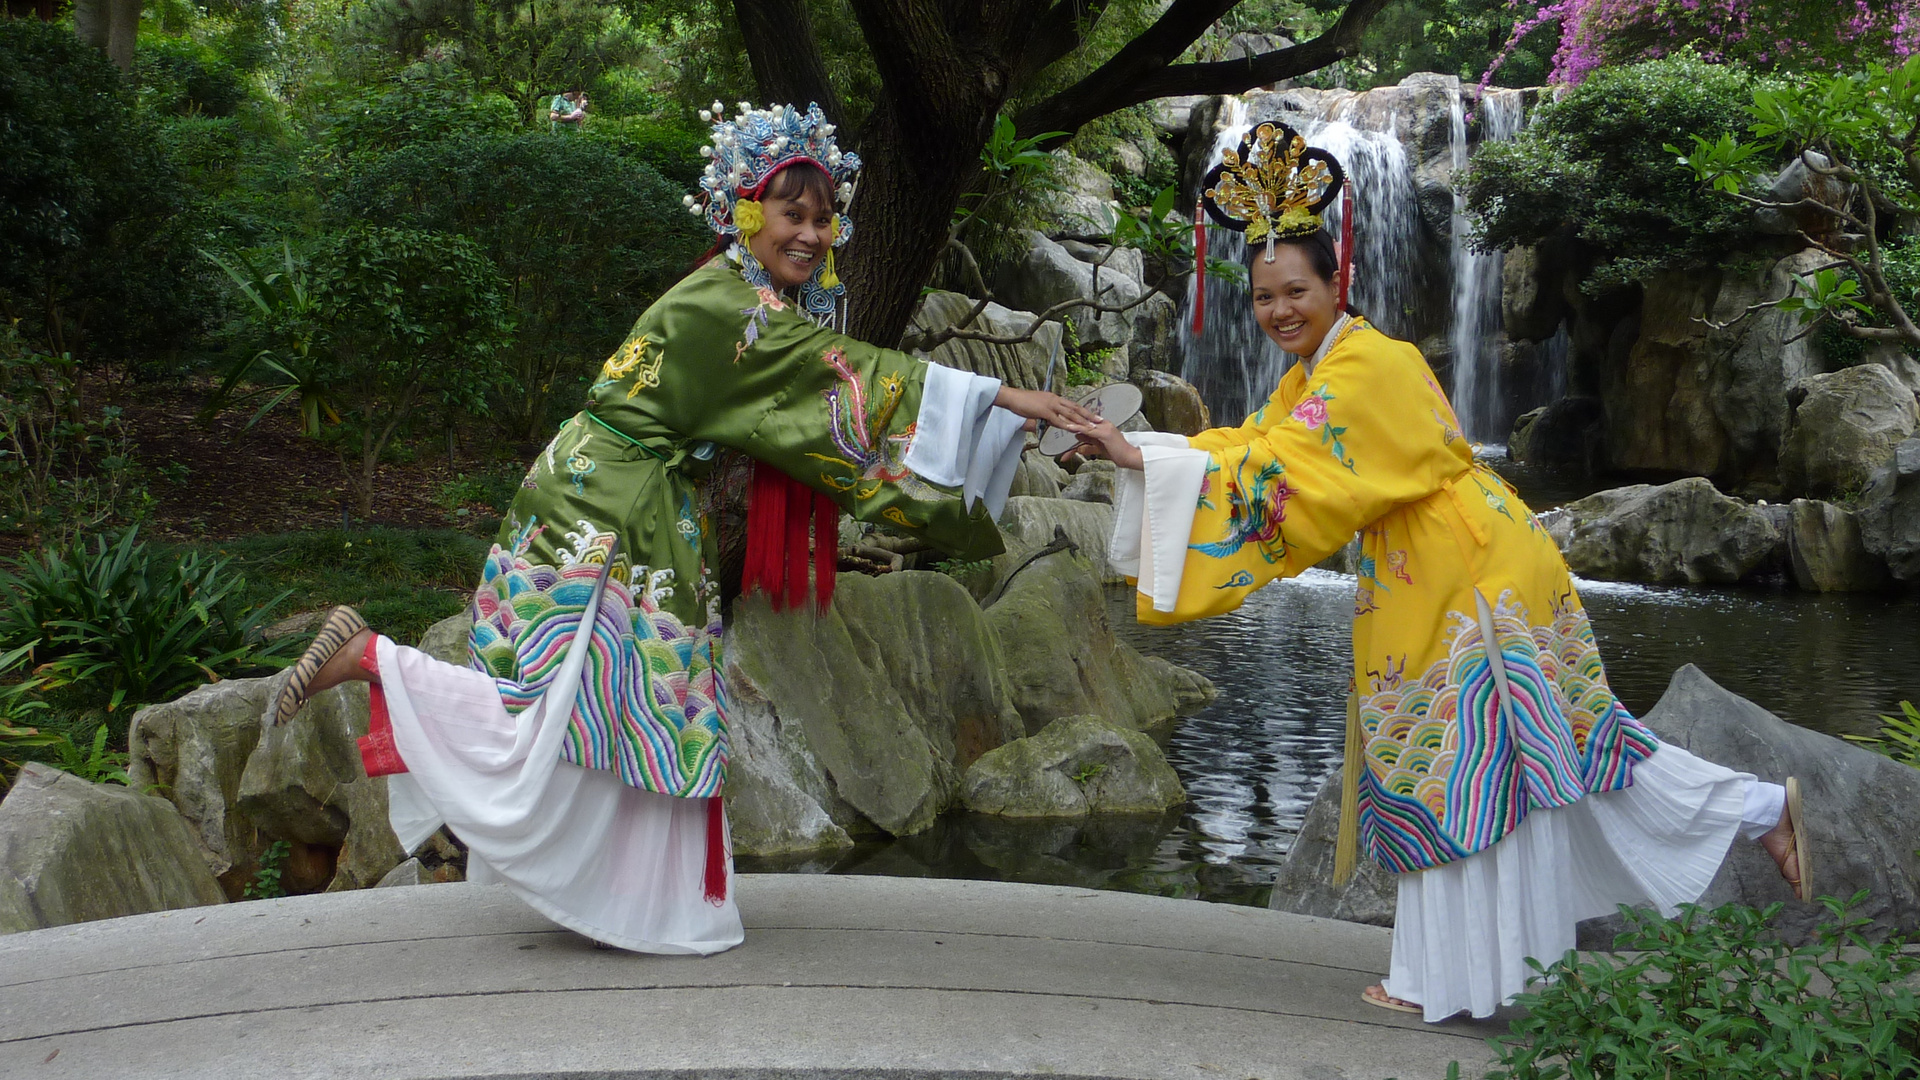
[1322, 256]
[798, 180]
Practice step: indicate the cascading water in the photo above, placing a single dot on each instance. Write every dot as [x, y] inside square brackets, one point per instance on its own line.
[1232, 364]
[1475, 338]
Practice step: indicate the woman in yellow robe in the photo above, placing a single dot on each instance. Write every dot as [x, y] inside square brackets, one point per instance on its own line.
[1514, 797]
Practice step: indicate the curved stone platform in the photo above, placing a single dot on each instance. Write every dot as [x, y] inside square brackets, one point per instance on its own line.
[860, 977]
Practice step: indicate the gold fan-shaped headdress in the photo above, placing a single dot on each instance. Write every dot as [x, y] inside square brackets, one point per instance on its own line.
[1273, 187]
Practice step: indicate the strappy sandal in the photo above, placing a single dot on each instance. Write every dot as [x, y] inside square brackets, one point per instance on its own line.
[1386, 1001]
[1799, 848]
[341, 625]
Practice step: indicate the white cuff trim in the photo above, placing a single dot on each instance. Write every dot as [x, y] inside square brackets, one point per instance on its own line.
[954, 407]
[1134, 493]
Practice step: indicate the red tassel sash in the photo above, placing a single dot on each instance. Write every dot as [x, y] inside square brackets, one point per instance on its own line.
[782, 514]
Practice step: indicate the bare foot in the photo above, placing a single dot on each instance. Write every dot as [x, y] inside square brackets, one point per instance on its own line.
[1779, 842]
[344, 665]
[1377, 995]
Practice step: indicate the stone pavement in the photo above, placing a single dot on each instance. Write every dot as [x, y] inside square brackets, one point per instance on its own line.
[856, 977]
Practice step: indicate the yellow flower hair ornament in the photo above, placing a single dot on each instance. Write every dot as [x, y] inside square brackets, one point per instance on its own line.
[749, 217]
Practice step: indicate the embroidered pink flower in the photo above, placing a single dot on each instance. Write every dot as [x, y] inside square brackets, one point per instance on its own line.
[771, 299]
[1312, 411]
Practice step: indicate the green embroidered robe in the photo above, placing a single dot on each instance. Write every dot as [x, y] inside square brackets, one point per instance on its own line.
[716, 362]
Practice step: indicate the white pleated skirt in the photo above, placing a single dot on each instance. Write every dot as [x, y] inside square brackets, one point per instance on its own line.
[618, 864]
[1464, 931]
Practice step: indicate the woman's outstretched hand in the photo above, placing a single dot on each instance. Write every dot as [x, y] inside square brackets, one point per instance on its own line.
[1102, 439]
[1043, 406]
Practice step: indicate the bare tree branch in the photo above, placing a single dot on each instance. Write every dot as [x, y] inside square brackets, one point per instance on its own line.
[1144, 68]
[1063, 29]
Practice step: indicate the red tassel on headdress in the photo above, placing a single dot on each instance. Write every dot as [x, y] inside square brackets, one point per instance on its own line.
[716, 875]
[1199, 269]
[780, 515]
[1346, 245]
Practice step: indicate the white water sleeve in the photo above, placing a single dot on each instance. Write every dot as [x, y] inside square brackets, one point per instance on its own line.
[962, 440]
[1153, 514]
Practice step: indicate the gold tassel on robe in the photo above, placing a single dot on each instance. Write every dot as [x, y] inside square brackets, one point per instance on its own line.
[1346, 848]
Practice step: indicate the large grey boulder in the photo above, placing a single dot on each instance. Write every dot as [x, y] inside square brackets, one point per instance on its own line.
[241, 783]
[1863, 810]
[1841, 427]
[1709, 400]
[1685, 532]
[1863, 817]
[304, 784]
[1171, 403]
[1824, 546]
[446, 640]
[1027, 523]
[1062, 658]
[1048, 275]
[194, 750]
[1082, 205]
[1023, 365]
[1890, 513]
[71, 851]
[1155, 341]
[1075, 766]
[1038, 474]
[1305, 886]
[864, 715]
[1570, 433]
[1092, 482]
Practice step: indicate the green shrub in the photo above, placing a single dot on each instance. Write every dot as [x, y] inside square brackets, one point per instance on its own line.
[1712, 994]
[132, 623]
[179, 76]
[95, 244]
[583, 238]
[64, 469]
[1899, 736]
[1592, 165]
[267, 883]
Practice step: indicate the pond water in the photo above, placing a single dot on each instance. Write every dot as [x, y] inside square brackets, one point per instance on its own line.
[1253, 759]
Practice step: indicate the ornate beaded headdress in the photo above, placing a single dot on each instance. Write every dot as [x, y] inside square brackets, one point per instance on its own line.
[1273, 187]
[750, 150]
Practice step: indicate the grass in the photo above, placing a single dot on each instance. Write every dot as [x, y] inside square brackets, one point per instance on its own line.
[402, 580]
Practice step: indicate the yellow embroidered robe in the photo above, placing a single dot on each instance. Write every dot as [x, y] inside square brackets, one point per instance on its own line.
[1456, 750]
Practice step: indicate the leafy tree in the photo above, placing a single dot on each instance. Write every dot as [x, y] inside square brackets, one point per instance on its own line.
[1586, 168]
[1857, 136]
[94, 251]
[380, 325]
[940, 74]
[583, 239]
[524, 50]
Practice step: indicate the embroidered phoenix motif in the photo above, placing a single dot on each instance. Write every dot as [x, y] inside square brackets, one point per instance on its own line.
[868, 457]
[1254, 514]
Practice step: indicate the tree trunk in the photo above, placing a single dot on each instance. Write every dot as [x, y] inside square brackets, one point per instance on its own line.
[112, 26]
[787, 65]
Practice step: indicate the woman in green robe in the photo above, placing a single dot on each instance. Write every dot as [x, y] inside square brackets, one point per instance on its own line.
[584, 770]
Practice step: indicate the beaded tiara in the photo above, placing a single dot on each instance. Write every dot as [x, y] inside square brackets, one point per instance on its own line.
[747, 152]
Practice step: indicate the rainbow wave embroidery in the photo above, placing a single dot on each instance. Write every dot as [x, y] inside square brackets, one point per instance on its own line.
[651, 706]
[1449, 771]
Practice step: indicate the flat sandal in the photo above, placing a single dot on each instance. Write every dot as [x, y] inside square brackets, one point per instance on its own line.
[341, 624]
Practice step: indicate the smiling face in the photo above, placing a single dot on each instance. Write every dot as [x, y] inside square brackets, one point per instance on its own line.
[1294, 305]
[799, 229]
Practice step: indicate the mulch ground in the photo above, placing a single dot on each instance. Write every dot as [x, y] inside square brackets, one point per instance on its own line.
[214, 478]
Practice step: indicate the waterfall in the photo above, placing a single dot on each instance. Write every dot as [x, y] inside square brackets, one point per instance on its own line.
[1475, 338]
[1233, 364]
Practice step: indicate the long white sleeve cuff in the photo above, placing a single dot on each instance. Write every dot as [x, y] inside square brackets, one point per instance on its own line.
[1153, 514]
[962, 440]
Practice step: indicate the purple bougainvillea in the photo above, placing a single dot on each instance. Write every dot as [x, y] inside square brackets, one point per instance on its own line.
[1769, 34]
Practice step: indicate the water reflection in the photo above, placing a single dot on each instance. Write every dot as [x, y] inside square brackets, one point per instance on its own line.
[1253, 759]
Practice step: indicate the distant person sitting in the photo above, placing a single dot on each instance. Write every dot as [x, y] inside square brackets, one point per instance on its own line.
[568, 111]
